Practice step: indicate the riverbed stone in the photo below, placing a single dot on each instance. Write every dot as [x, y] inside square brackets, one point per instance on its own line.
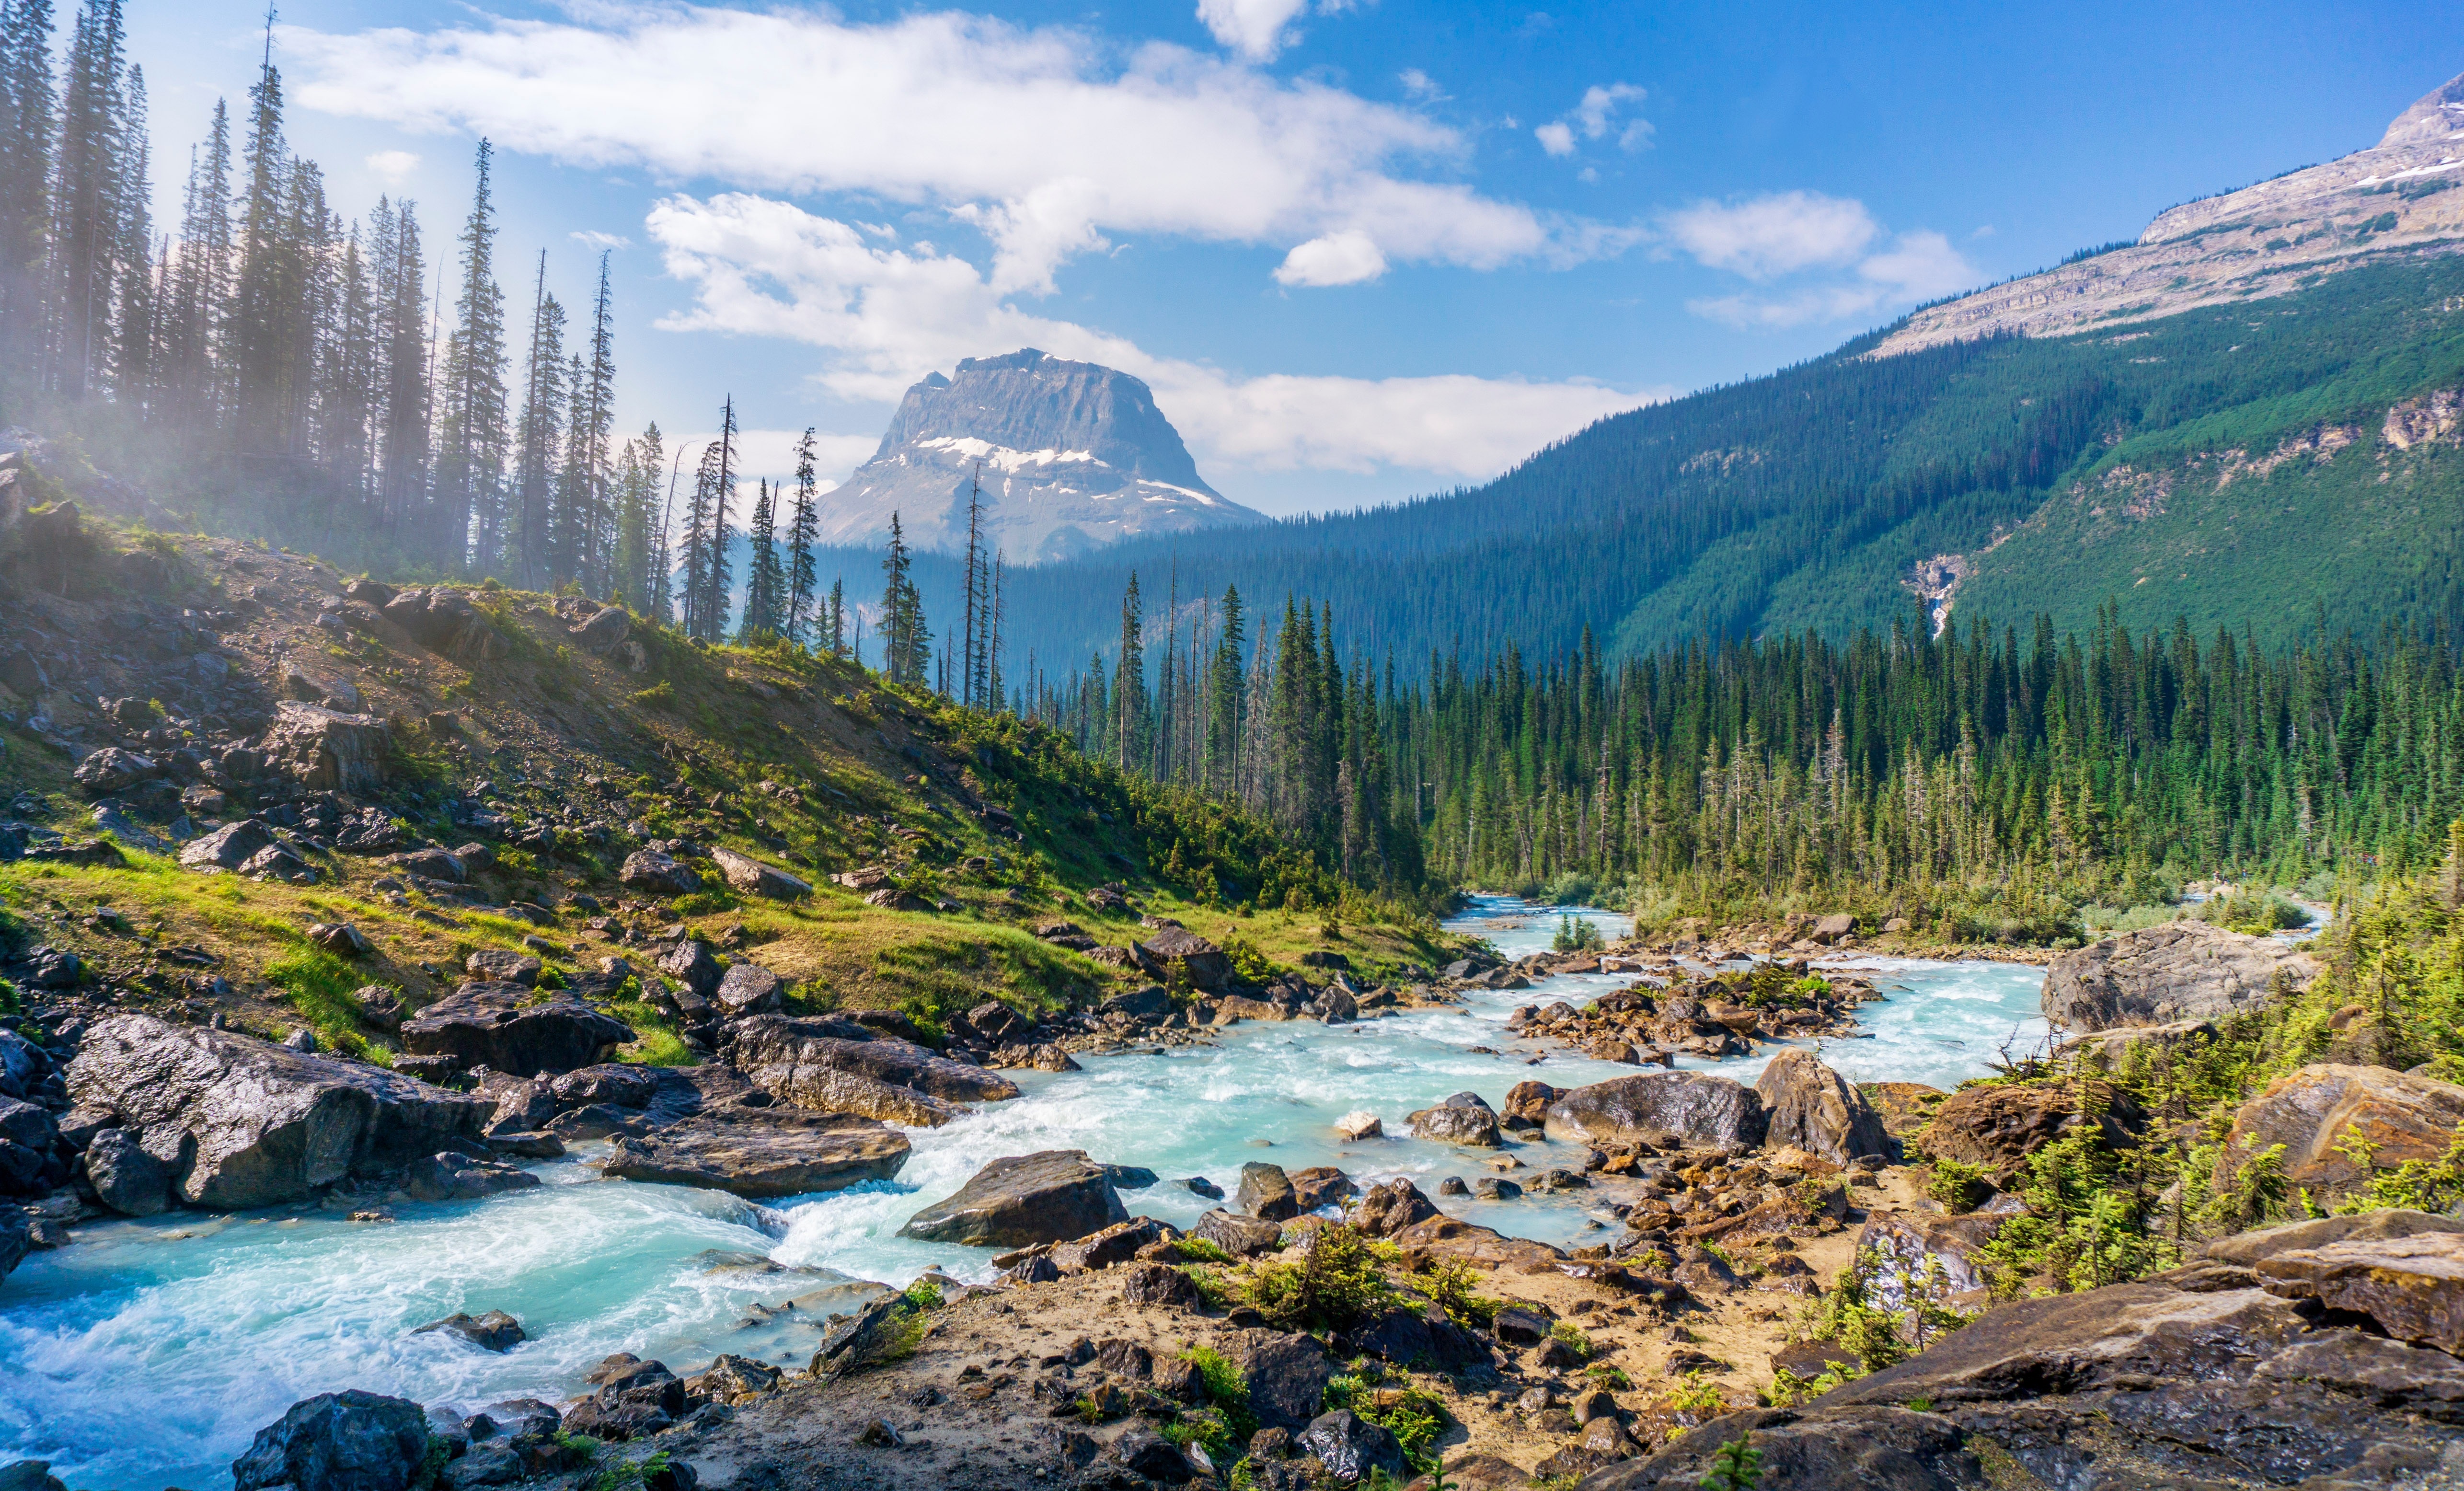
[506, 1026]
[1462, 1119]
[761, 1154]
[1237, 1234]
[815, 1065]
[338, 1441]
[451, 1175]
[1288, 1376]
[1695, 1108]
[253, 1124]
[1812, 1108]
[125, 1177]
[2312, 1112]
[493, 1331]
[2168, 974]
[1023, 1199]
[1388, 1208]
[1267, 1193]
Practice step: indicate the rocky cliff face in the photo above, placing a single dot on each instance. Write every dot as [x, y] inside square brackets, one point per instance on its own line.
[2405, 194]
[1072, 456]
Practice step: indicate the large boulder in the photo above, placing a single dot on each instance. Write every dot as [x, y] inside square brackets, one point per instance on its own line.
[813, 1064]
[253, 1124]
[2319, 1112]
[2248, 1249]
[228, 847]
[1349, 1447]
[125, 1177]
[1461, 1119]
[751, 877]
[1996, 1128]
[1267, 1193]
[326, 749]
[749, 989]
[1387, 1209]
[338, 1441]
[657, 874]
[1695, 1108]
[1288, 1376]
[494, 1025]
[452, 1176]
[1178, 951]
[1811, 1106]
[443, 620]
[2167, 975]
[1023, 1199]
[1237, 1234]
[762, 1153]
[112, 769]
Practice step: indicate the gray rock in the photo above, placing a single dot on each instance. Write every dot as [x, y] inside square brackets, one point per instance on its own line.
[112, 769]
[492, 1025]
[761, 1154]
[1699, 1110]
[1350, 1447]
[326, 749]
[28, 1475]
[125, 1177]
[612, 1082]
[1178, 951]
[338, 1441]
[1024, 1200]
[443, 864]
[750, 988]
[228, 847]
[1237, 1234]
[2247, 1248]
[688, 963]
[1267, 1193]
[504, 966]
[23, 1065]
[604, 631]
[493, 1331]
[2168, 974]
[451, 1175]
[812, 1065]
[257, 1125]
[1812, 1108]
[1462, 1119]
[1288, 1376]
[650, 872]
[751, 877]
[1149, 1003]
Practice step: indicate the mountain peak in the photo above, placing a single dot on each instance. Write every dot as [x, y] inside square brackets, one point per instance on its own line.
[1072, 456]
[2437, 114]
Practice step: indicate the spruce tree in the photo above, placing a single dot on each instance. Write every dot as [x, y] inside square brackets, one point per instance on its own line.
[525, 549]
[765, 583]
[1128, 683]
[404, 406]
[717, 574]
[803, 529]
[592, 419]
[258, 336]
[87, 196]
[28, 121]
[471, 434]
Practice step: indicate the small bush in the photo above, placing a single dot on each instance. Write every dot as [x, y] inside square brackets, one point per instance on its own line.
[924, 1294]
[1450, 1282]
[1572, 1335]
[1227, 1390]
[1337, 1284]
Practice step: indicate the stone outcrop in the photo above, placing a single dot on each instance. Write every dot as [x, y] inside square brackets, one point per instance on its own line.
[2167, 975]
[228, 847]
[1998, 1127]
[1813, 1109]
[1695, 1108]
[442, 619]
[2413, 1286]
[339, 1442]
[1023, 1199]
[499, 1025]
[242, 1123]
[326, 749]
[1265, 1193]
[749, 875]
[657, 874]
[1178, 951]
[2324, 1114]
[815, 1065]
[761, 1154]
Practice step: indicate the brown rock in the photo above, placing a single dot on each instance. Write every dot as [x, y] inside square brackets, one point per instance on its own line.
[2413, 1286]
[1388, 1209]
[1998, 1127]
[327, 750]
[2315, 1109]
[1812, 1108]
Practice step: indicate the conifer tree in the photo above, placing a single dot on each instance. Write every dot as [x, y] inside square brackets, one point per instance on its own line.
[804, 530]
[717, 574]
[28, 121]
[1128, 683]
[593, 417]
[526, 550]
[838, 633]
[402, 402]
[197, 286]
[87, 196]
[471, 434]
[637, 515]
[765, 583]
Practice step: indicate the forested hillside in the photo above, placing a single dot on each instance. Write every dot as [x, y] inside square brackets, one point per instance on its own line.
[1808, 498]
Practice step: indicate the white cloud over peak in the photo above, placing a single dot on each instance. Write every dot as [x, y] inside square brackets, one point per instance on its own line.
[887, 315]
[1774, 234]
[1048, 139]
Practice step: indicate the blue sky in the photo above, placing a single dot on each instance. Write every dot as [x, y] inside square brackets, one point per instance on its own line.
[1362, 248]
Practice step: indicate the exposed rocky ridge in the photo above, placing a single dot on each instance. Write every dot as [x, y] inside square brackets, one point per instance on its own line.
[2398, 196]
[1074, 456]
[2178, 972]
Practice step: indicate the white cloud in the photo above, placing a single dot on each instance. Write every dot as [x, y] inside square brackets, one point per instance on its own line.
[1419, 85]
[593, 238]
[1591, 117]
[1253, 28]
[393, 166]
[887, 315]
[1774, 234]
[1049, 141]
[1345, 258]
[1918, 266]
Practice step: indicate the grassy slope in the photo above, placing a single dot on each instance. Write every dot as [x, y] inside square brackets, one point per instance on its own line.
[800, 761]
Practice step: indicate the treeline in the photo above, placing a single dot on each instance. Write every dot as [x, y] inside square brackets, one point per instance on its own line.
[274, 358]
[1985, 783]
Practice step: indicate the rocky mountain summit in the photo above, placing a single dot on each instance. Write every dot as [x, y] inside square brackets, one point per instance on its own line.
[2399, 196]
[1072, 456]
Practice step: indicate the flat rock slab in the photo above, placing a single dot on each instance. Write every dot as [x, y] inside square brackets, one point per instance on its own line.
[751, 877]
[815, 1065]
[761, 1154]
[2167, 975]
[1023, 1199]
[2413, 1286]
[514, 1030]
[255, 1124]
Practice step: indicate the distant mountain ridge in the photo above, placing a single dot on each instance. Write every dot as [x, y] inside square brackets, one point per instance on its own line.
[1072, 456]
[2402, 194]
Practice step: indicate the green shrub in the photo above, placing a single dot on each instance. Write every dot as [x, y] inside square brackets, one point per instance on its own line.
[1339, 1282]
[1227, 1390]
